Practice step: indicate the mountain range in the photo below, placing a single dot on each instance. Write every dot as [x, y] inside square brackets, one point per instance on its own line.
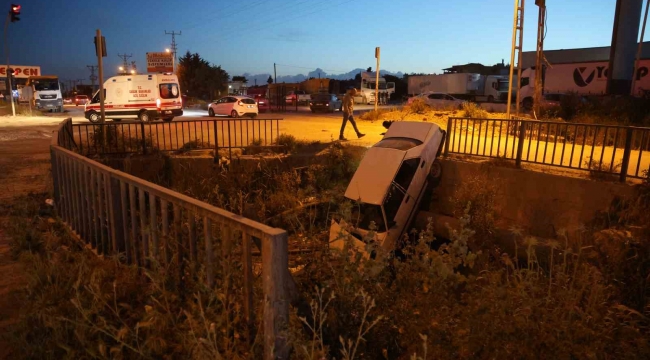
[260, 79]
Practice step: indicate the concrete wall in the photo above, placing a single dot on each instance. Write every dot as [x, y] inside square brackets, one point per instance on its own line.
[539, 203]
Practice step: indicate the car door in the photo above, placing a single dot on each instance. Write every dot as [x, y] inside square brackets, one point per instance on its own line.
[434, 99]
[216, 107]
[402, 197]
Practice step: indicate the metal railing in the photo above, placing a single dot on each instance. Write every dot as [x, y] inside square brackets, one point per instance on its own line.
[622, 150]
[144, 224]
[145, 137]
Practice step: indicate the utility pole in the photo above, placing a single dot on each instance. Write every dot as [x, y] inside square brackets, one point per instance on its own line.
[134, 69]
[125, 62]
[100, 50]
[12, 16]
[638, 51]
[377, 55]
[173, 34]
[539, 67]
[518, 25]
[275, 74]
[92, 77]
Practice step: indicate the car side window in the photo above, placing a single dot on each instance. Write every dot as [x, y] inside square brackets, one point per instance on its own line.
[232, 100]
[406, 173]
[447, 97]
[392, 202]
[435, 96]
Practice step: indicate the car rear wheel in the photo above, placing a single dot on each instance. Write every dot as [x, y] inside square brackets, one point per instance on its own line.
[210, 112]
[168, 119]
[233, 114]
[144, 116]
[253, 116]
[94, 117]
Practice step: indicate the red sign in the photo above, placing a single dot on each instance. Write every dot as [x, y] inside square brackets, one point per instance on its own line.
[21, 71]
[160, 62]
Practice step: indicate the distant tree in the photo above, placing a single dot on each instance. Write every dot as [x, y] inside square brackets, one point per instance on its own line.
[369, 69]
[357, 78]
[240, 78]
[200, 79]
[312, 78]
[269, 80]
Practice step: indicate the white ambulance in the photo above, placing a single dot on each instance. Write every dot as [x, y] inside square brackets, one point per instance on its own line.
[145, 97]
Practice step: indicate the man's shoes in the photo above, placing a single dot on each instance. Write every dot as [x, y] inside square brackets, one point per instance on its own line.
[341, 138]
[360, 135]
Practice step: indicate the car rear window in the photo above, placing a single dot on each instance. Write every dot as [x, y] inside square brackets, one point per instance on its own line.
[248, 101]
[169, 91]
[398, 143]
[322, 97]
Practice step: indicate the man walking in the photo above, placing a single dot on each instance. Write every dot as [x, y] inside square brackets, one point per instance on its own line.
[348, 113]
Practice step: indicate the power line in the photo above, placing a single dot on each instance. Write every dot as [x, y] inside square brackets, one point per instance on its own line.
[211, 17]
[244, 30]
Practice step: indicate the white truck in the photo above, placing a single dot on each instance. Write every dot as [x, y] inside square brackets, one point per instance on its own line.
[466, 86]
[297, 95]
[587, 78]
[44, 92]
[367, 89]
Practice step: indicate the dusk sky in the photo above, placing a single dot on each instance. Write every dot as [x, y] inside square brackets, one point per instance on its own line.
[335, 35]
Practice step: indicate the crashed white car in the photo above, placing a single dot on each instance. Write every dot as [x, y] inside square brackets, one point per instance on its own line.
[389, 184]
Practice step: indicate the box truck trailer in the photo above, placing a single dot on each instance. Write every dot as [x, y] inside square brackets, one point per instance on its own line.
[466, 86]
[586, 78]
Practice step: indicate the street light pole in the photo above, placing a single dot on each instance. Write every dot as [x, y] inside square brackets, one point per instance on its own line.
[11, 92]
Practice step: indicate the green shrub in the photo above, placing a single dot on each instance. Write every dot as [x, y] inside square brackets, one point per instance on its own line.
[418, 106]
[474, 110]
[373, 115]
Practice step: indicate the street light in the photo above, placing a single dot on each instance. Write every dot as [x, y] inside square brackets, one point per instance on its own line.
[121, 68]
[133, 72]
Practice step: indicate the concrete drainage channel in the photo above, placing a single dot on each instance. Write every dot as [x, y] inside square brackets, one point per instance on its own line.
[541, 205]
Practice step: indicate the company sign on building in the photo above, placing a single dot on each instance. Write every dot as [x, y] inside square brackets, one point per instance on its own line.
[21, 71]
[160, 62]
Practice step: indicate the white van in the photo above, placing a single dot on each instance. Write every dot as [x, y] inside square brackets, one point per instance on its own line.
[145, 97]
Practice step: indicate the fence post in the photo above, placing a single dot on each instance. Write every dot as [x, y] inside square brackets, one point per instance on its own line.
[55, 179]
[626, 153]
[520, 144]
[448, 136]
[275, 263]
[216, 140]
[144, 142]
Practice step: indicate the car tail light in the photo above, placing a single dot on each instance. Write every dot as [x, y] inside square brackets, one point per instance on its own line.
[328, 104]
[181, 102]
[158, 103]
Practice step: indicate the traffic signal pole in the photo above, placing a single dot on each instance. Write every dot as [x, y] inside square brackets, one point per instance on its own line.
[11, 92]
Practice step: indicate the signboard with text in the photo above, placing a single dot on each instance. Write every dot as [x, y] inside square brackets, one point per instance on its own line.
[160, 62]
[21, 71]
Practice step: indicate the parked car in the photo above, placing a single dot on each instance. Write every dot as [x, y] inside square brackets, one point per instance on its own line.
[234, 106]
[388, 186]
[438, 100]
[325, 102]
[299, 95]
[262, 103]
[80, 100]
[67, 101]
